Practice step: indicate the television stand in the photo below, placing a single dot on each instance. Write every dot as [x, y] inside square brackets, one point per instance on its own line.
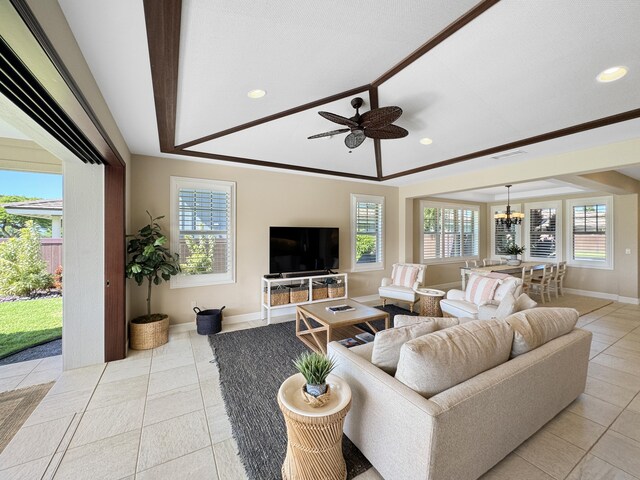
[301, 289]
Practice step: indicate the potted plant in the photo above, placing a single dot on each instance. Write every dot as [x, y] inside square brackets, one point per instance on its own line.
[315, 368]
[150, 260]
[513, 250]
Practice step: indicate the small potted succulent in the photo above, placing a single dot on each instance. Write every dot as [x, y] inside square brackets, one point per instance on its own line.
[513, 250]
[315, 368]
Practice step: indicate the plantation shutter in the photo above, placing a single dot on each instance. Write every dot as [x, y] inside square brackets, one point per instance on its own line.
[449, 232]
[589, 232]
[204, 217]
[503, 236]
[368, 223]
[542, 233]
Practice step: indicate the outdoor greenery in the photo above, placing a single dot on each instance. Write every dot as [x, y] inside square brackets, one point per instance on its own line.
[513, 249]
[315, 367]
[10, 225]
[365, 245]
[27, 323]
[22, 269]
[200, 259]
[149, 259]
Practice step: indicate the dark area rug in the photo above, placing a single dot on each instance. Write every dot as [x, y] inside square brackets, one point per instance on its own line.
[253, 364]
[48, 349]
[15, 408]
[392, 310]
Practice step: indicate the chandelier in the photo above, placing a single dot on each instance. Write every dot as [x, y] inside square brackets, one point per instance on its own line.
[508, 217]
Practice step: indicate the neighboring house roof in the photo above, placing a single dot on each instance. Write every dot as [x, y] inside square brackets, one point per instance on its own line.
[35, 208]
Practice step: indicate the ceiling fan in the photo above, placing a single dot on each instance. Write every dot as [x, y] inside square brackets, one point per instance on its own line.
[375, 123]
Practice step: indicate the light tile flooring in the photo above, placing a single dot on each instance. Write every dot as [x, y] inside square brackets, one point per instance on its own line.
[159, 414]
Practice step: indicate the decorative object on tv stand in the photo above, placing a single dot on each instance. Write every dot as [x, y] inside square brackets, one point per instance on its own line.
[315, 368]
[508, 218]
[513, 251]
[149, 260]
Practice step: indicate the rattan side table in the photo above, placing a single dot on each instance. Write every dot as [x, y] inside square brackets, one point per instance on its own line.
[314, 435]
[430, 301]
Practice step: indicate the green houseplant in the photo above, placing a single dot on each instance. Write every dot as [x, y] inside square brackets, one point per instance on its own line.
[513, 250]
[149, 260]
[315, 368]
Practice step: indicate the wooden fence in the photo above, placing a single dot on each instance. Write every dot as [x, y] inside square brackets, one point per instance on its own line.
[51, 249]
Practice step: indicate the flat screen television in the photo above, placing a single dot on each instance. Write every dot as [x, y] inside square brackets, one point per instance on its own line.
[303, 249]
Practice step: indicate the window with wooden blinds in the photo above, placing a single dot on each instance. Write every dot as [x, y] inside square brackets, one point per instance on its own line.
[449, 232]
[367, 219]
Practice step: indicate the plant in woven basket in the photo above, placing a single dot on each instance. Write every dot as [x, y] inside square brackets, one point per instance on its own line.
[315, 368]
[150, 260]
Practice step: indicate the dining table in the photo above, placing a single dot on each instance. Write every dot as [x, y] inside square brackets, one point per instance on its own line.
[465, 272]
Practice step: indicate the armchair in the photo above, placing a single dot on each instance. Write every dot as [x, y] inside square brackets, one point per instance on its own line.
[400, 287]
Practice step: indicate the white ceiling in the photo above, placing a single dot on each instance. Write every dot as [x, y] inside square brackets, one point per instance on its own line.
[9, 131]
[520, 69]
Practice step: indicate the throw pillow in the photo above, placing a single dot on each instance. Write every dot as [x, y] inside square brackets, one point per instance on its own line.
[387, 343]
[480, 289]
[506, 307]
[508, 286]
[436, 362]
[404, 275]
[525, 302]
[535, 327]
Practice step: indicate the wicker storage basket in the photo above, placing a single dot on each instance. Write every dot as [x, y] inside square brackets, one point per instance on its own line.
[279, 296]
[143, 336]
[336, 290]
[319, 291]
[299, 293]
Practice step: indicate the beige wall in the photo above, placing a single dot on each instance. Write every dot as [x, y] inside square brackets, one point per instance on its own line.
[263, 199]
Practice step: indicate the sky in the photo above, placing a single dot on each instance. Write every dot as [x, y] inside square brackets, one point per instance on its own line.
[41, 185]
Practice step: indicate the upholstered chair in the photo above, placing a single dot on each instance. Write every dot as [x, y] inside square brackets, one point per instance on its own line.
[405, 279]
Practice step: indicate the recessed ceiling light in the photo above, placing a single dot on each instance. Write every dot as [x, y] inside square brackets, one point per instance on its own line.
[611, 74]
[426, 141]
[256, 93]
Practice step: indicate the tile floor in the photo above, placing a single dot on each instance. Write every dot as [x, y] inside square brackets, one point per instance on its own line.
[159, 414]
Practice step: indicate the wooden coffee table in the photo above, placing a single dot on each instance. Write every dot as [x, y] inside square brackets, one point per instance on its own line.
[323, 326]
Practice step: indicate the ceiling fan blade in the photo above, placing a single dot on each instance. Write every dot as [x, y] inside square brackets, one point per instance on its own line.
[338, 119]
[379, 117]
[329, 134]
[387, 132]
[354, 139]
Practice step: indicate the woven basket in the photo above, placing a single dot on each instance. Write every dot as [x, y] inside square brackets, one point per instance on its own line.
[320, 291]
[336, 290]
[279, 296]
[143, 336]
[299, 294]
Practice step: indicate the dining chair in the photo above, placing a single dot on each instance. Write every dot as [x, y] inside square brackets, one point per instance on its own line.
[486, 262]
[541, 284]
[471, 263]
[527, 275]
[557, 281]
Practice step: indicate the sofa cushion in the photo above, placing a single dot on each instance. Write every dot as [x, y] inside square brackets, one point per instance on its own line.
[436, 362]
[404, 275]
[387, 343]
[535, 327]
[508, 286]
[525, 302]
[459, 308]
[443, 322]
[480, 289]
[397, 292]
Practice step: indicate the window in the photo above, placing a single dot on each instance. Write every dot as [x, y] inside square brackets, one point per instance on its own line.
[367, 224]
[203, 231]
[450, 232]
[500, 234]
[590, 232]
[543, 232]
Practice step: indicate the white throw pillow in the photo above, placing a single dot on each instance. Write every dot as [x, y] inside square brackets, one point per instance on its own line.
[436, 362]
[404, 275]
[535, 327]
[387, 343]
[507, 307]
[525, 302]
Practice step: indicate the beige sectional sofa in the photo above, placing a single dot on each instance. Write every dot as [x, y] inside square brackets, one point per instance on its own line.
[461, 432]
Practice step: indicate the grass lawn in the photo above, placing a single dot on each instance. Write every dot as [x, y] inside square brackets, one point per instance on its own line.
[29, 322]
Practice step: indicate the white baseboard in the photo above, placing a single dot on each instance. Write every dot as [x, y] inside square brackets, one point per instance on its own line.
[446, 286]
[608, 296]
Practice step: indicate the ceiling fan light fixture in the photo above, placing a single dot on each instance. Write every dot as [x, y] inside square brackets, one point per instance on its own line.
[257, 93]
[426, 141]
[612, 74]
